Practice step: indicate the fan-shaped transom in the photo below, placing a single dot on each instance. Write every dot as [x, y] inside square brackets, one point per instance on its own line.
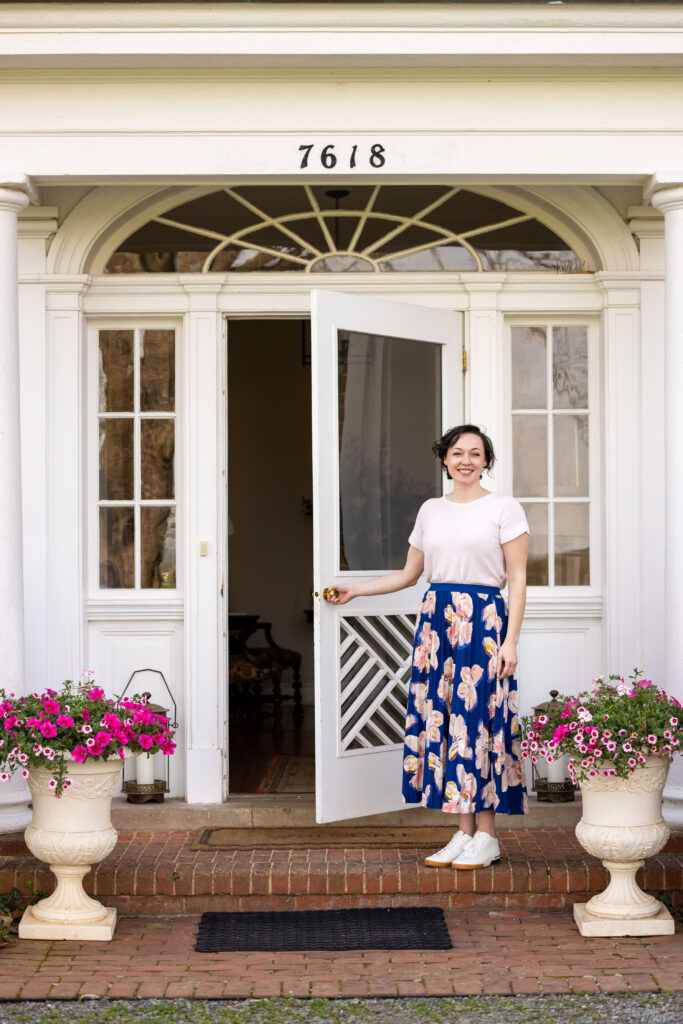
[359, 228]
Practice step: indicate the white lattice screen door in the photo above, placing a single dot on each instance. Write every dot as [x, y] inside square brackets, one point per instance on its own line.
[386, 378]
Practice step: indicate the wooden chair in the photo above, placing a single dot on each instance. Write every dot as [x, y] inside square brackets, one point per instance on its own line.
[255, 673]
[286, 659]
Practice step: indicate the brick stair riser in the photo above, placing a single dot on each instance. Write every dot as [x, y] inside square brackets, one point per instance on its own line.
[180, 889]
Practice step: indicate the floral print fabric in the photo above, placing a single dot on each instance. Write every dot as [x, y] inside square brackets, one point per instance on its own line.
[462, 750]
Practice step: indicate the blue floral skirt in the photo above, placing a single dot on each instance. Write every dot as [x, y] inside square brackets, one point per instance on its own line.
[462, 730]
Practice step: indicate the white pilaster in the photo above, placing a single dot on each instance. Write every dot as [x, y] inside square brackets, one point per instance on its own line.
[670, 201]
[204, 478]
[15, 195]
[622, 474]
[485, 344]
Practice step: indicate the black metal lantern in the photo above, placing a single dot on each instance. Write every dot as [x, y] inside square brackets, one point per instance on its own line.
[556, 787]
[146, 787]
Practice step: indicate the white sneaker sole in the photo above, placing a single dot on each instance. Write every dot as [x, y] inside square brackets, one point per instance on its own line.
[438, 863]
[472, 867]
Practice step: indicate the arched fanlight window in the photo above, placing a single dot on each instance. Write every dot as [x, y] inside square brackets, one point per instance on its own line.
[315, 228]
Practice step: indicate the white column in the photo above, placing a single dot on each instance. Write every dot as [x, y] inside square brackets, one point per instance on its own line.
[14, 197]
[670, 202]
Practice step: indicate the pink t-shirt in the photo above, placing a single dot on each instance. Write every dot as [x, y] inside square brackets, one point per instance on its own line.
[462, 541]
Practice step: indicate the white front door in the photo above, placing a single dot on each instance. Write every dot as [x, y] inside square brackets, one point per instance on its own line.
[386, 381]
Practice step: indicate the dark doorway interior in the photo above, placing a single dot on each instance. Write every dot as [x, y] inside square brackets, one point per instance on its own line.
[270, 557]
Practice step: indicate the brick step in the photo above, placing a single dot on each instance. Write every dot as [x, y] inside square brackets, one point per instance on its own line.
[159, 873]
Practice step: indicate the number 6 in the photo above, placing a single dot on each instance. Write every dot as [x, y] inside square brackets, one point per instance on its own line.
[327, 157]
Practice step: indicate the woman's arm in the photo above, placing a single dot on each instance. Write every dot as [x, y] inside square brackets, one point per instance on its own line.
[389, 584]
[515, 554]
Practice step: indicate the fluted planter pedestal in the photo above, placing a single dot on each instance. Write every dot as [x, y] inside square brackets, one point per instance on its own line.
[71, 834]
[622, 824]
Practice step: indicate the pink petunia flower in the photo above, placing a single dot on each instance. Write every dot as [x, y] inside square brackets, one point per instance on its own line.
[66, 721]
[48, 729]
[51, 706]
[146, 741]
[97, 693]
[79, 752]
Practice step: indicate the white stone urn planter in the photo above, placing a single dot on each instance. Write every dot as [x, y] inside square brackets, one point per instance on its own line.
[71, 833]
[622, 824]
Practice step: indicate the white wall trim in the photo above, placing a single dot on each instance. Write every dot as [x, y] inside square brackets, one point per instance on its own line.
[130, 35]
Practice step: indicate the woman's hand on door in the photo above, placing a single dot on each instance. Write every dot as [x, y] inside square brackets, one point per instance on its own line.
[340, 593]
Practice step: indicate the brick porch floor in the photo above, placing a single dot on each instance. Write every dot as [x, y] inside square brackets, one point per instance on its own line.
[511, 924]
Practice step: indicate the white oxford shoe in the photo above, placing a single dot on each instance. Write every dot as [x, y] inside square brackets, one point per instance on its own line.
[479, 853]
[445, 857]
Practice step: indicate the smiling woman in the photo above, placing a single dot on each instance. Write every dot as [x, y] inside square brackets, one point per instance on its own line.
[461, 752]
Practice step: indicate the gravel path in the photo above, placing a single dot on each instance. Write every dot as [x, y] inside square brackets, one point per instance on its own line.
[659, 1008]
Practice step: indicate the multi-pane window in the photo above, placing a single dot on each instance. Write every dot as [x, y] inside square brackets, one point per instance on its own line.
[551, 450]
[137, 484]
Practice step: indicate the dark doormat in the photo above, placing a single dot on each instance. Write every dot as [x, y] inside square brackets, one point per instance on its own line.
[278, 930]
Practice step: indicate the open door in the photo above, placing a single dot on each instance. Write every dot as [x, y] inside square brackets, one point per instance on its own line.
[386, 382]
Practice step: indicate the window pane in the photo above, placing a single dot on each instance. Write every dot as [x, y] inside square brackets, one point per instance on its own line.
[530, 456]
[570, 367]
[116, 375]
[529, 368]
[572, 567]
[157, 534]
[116, 460]
[571, 456]
[389, 415]
[157, 371]
[157, 448]
[537, 563]
[117, 548]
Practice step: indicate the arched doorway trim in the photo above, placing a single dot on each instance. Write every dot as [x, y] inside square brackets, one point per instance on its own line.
[110, 213]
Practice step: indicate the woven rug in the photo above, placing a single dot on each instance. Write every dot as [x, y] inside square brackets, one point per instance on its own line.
[288, 773]
[367, 928]
[323, 837]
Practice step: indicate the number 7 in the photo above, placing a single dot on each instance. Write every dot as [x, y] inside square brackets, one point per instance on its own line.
[307, 153]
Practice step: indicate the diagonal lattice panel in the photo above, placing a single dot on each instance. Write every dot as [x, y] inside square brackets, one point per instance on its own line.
[375, 654]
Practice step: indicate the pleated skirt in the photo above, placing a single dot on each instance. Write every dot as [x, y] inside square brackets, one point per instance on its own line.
[462, 738]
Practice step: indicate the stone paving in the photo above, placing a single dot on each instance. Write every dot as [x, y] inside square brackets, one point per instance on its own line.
[494, 952]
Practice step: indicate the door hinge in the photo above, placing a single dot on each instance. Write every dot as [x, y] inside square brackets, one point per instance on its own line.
[464, 360]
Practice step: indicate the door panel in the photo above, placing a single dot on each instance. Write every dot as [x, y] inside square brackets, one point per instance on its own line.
[386, 380]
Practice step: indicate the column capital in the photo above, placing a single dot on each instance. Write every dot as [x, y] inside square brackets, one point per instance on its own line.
[17, 191]
[668, 198]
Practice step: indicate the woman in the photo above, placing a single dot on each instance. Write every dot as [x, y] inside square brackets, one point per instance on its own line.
[462, 733]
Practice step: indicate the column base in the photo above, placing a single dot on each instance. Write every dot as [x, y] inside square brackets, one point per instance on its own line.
[98, 931]
[590, 925]
[15, 812]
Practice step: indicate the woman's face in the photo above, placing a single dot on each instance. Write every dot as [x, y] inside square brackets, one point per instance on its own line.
[465, 459]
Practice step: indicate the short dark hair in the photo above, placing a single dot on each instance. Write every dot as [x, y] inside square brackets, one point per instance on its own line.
[440, 447]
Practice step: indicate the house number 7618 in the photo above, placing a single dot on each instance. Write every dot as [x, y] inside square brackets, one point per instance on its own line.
[328, 157]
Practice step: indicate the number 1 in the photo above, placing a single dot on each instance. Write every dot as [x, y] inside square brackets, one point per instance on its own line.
[353, 157]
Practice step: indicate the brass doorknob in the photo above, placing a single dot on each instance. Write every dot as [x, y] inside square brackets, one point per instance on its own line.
[329, 592]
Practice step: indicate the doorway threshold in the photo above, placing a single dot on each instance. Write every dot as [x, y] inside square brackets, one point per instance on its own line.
[275, 810]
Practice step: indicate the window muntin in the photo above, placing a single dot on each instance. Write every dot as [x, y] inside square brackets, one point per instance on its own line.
[136, 430]
[385, 228]
[552, 449]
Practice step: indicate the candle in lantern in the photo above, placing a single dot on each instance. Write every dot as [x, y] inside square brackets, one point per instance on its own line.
[144, 769]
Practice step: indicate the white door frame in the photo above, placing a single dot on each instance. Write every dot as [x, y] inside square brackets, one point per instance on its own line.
[486, 299]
